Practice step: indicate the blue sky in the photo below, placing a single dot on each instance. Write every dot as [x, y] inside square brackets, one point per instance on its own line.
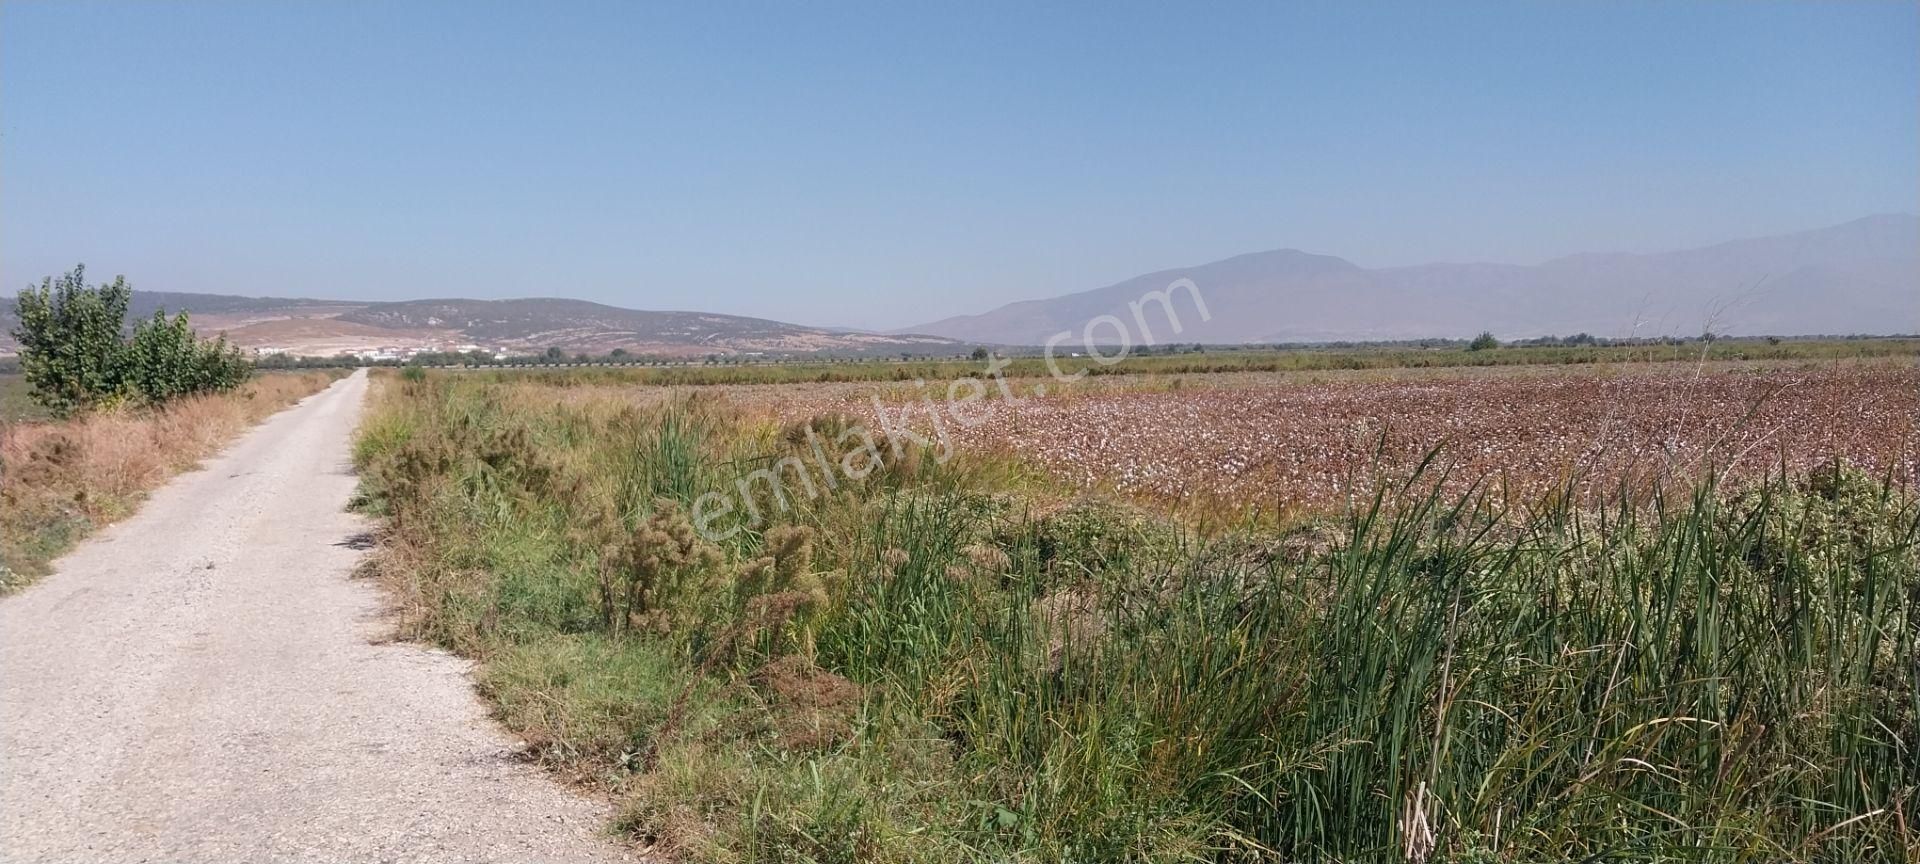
[883, 165]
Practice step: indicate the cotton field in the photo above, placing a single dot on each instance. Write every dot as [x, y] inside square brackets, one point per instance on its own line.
[1312, 444]
[1271, 440]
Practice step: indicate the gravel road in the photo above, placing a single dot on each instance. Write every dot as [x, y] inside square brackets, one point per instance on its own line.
[204, 682]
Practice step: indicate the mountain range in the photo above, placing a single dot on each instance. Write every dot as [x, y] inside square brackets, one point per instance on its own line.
[1862, 277]
[1859, 277]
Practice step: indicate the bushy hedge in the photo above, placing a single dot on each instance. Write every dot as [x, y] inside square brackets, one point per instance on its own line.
[76, 356]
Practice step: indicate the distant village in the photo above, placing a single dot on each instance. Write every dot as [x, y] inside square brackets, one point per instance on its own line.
[389, 353]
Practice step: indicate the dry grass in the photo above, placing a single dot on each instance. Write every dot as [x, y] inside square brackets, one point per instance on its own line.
[60, 481]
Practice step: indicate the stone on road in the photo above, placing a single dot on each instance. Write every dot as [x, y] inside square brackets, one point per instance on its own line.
[205, 682]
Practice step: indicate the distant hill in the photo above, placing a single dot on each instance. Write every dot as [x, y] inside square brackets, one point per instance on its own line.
[531, 325]
[210, 313]
[145, 303]
[1860, 277]
[581, 325]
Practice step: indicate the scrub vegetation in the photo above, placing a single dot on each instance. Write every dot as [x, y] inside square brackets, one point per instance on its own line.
[964, 659]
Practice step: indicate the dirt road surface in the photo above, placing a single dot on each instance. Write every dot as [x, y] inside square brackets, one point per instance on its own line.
[204, 682]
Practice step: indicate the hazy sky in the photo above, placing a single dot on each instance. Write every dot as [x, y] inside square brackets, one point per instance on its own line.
[883, 165]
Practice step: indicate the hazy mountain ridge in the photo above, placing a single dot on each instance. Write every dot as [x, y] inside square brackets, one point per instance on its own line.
[1859, 277]
[527, 325]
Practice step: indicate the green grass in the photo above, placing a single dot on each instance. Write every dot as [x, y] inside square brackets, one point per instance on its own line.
[16, 401]
[951, 662]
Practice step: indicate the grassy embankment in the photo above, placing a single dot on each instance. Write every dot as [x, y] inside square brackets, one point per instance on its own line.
[950, 662]
[61, 479]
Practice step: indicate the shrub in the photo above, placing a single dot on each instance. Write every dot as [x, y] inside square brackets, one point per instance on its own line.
[1483, 342]
[75, 358]
[165, 360]
[69, 334]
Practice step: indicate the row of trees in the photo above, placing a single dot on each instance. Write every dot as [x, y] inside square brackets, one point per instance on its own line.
[77, 354]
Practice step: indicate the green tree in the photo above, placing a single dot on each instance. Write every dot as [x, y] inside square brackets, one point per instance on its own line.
[980, 354]
[165, 360]
[69, 334]
[160, 357]
[75, 358]
[1483, 342]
